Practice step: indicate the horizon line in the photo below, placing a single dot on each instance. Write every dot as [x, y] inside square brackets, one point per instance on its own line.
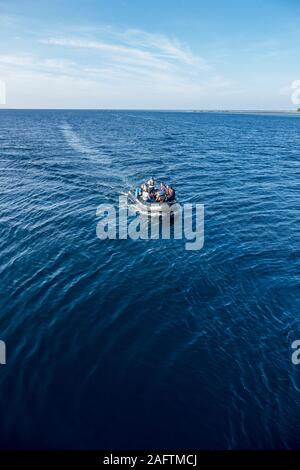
[190, 110]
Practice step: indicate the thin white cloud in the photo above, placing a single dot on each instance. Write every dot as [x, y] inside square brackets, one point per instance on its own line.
[100, 46]
[18, 60]
[138, 45]
[160, 44]
[29, 61]
[56, 64]
[122, 53]
[171, 49]
[137, 56]
[119, 69]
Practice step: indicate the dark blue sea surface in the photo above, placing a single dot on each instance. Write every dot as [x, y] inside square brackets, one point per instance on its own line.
[143, 344]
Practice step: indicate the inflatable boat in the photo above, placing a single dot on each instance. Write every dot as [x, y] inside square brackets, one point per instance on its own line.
[157, 208]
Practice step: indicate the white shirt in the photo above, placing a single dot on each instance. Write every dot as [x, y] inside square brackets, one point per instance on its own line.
[145, 196]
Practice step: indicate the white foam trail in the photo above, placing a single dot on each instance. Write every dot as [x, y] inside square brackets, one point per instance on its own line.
[79, 145]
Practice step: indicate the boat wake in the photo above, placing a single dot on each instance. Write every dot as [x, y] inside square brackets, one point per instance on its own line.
[78, 144]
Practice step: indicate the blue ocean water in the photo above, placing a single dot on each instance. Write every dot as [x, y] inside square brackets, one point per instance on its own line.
[143, 344]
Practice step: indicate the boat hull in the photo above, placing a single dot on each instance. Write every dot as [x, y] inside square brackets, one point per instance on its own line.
[154, 208]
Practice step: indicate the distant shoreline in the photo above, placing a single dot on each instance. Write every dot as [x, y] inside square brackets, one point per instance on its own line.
[215, 111]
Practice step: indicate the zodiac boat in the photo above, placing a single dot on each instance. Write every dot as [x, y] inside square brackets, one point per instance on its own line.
[156, 208]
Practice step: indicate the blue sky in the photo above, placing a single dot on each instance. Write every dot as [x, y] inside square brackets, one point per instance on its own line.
[150, 54]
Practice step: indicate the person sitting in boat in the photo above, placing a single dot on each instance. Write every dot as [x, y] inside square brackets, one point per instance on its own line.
[138, 191]
[146, 196]
[151, 184]
[152, 196]
[161, 195]
[170, 193]
[162, 189]
[157, 195]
